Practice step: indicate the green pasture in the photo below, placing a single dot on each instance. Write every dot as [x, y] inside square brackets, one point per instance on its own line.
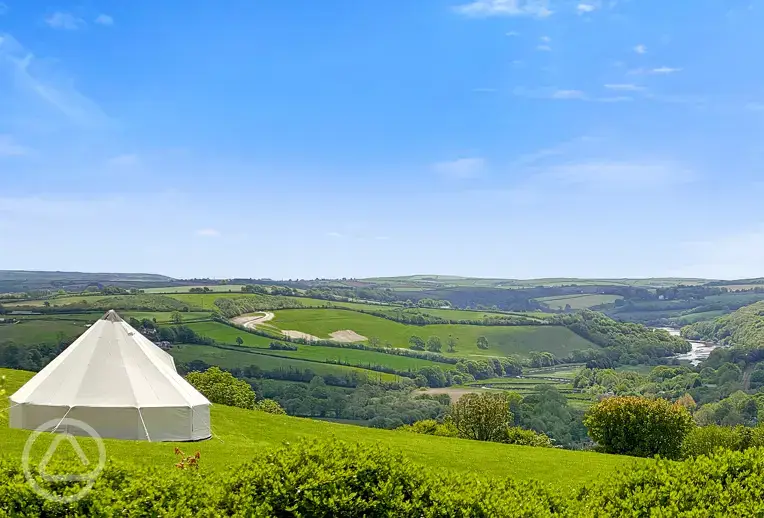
[239, 435]
[578, 301]
[503, 340]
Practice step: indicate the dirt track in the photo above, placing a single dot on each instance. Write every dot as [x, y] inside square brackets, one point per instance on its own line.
[251, 321]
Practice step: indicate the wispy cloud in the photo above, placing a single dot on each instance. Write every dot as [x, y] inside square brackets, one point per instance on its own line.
[208, 232]
[545, 39]
[126, 160]
[568, 94]
[620, 174]
[9, 147]
[34, 79]
[462, 168]
[65, 21]
[640, 49]
[512, 34]
[485, 8]
[624, 87]
[104, 19]
[544, 48]
[334, 234]
[659, 70]
[585, 8]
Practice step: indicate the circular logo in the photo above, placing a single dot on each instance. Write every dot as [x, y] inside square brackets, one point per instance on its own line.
[61, 427]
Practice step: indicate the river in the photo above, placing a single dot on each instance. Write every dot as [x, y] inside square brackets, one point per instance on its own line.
[699, 352]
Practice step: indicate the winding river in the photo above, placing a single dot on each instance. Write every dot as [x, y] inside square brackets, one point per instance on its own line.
[699, 352]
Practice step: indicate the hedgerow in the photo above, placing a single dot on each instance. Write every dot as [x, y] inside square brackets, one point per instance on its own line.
[330, 478]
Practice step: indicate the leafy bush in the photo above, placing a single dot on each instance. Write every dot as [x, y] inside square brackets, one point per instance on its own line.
[482, 417]
[432, 427]
[270, 406]
[724, 484]
[638, 426]
[327, 479]
[523, 437]
[705, 440]
[221, 387]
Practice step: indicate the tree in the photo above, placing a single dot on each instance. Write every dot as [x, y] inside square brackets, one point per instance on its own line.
[270, 406]
[176, 318]
[639, 426]
[482, 417]
[433, 344]
[221, 387]
[239, 340]
[451, 342]
[374, 341]
[482, 342]
[416, 343]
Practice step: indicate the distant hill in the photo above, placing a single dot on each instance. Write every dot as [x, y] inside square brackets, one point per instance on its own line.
[12, 281]
[425, 280]
[744, 327]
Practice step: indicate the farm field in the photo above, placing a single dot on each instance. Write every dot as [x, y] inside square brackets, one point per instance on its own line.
[227, 335]
[578, 301]
[39, 331]
[358, 357]
[184, 289]
[462, 314]
[239, 435]
[228, 358]
[503, 340]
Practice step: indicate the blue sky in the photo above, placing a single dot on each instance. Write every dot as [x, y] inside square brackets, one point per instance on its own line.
[302, 139]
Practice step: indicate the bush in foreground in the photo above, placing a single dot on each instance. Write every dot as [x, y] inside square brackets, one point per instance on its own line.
[221, 387]
[639, 426]
[705, 440]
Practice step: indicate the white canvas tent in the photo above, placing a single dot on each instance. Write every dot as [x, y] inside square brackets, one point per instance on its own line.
[118, 382]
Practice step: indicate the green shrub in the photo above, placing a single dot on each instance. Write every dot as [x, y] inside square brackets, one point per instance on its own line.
[724, 484]
[705, 440]
[270, 406]
[327, 479]
[221, 387]
[432, 427]
[482, 417]
[638, 426]
[523, 437]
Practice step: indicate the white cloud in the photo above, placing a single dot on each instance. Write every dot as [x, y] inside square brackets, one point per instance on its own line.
[568, 94]
[33, 78]
[126, 160]
[382, 238]
[208, 232]
[512, 33]
[604, 174]
[104, 19]
[546, 39]
[544, 48]
[65, 21]
[461, 168]
[334, 234]
[665, 70]
[585, 8]
[484, 8]
[9, 147]
[624, 87]
[640, 49]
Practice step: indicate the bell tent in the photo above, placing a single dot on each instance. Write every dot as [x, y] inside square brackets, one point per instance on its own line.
[118, 382]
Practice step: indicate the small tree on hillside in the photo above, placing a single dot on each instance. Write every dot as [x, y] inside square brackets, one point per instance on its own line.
[239, 340]
[416, 343]
[221, 387]
[433, 344]
[482, 342]
[639, 426]
[451, 343]
[176, 318]
[482, 417]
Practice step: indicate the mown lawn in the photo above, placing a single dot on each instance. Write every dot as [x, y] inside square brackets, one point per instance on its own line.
[240, 435]
[503, 340]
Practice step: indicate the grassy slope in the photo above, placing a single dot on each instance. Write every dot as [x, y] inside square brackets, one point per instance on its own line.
[578, 301]
[229, 359]
[503, 340]
[240, 435]
[37, 331]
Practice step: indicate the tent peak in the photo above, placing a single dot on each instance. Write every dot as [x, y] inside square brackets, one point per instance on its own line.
[112, 316]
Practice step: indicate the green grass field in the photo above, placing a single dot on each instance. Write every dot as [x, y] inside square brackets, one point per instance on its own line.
[218, 288]
[359, 358]
[578, 301]
[503, 340]
[239, 435]
[39, 331]
[242, 358]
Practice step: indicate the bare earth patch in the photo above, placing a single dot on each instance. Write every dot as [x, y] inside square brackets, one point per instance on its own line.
[301, 335]
[252, 320]
[347, 335]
